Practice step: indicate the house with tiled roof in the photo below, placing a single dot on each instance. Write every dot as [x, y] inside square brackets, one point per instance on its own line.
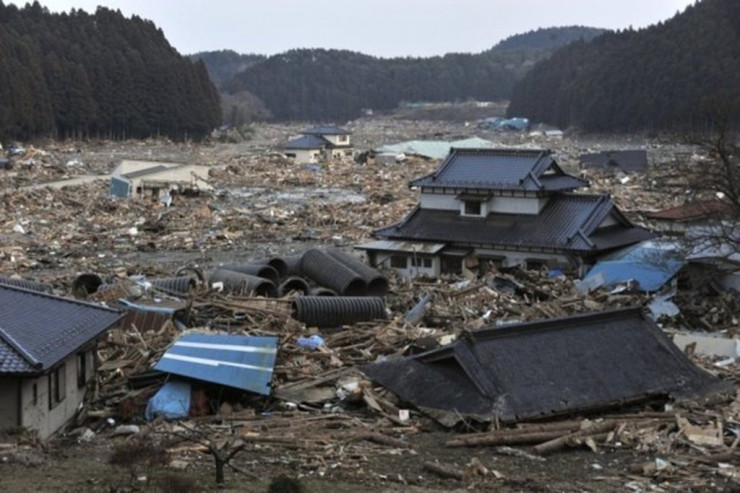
[47, 357]
[319, 143]
[502, 207]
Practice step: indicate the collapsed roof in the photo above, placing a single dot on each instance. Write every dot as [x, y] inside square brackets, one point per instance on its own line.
[545, 368]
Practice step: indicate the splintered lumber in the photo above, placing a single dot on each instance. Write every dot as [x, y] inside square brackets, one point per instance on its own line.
[575, 437]
[382, 440]
[444, 470]
[506, 437]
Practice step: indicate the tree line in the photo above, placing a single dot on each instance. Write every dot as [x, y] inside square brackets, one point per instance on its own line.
[101, 75]
[655, 79]
[321, 84]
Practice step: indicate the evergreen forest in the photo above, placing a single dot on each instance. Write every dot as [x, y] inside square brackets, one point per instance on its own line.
[337, 85]
[101, 75]
[662, 78]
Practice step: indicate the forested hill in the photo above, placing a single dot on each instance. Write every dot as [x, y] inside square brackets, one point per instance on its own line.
[654, 79]
[319, 84]
[97, 75]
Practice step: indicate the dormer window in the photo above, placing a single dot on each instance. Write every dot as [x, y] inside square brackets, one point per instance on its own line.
[473, 205]
[472, 208]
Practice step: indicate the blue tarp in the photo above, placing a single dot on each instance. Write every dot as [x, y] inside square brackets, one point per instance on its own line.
[172, 401]
[242, 362]
[651, 265]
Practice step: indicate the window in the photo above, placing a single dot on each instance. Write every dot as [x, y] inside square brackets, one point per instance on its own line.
[57, 386]
[35, 394]
[425, 262]
[342, 138]
[473, 208]
[536, 264]
[398, 262]
[81, 370]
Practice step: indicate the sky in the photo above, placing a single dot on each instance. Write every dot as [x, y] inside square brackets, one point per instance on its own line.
[383, 28]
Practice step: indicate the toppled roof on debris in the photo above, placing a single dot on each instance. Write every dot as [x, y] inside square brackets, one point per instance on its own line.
[500, 169]
[545, 368]
[567, 222]
[624, 160]
[434, 149]
[38, 330]
[691, 211]
[242, 362]
[651, 264]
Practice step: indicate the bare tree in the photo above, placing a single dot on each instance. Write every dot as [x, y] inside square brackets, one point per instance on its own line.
[715, 181]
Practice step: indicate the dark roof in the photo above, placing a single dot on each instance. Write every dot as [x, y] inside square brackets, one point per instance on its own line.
[692, 210]
[307, 142]
[39, 330]
[326, 130]
[567, 222]
[146, 171]
[629, 160]
[500, 169]
[545, 368]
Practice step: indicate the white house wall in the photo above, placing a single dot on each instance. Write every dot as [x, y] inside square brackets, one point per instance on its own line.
[501, 205]
[305, 156]
[37, 415]
[338, 140]
[383, 260]
[519, 259]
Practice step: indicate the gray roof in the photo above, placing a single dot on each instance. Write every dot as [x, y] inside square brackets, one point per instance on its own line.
[38, 330]
[307, 142]
[326, 130]
[568, 222]
[145, 171]
[545, 368]
[500, 169]
[628, 160]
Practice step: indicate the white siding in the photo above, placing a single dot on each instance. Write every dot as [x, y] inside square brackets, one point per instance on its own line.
[514, 259]
[439, 202]
[338, 140]
[516, 205]
[383, 260]
[305, 156]
[37, 415]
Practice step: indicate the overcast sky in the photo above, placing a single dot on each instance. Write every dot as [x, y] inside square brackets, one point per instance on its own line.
[384, 28]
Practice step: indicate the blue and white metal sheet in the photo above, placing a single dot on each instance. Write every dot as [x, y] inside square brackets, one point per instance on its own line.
[242, 362]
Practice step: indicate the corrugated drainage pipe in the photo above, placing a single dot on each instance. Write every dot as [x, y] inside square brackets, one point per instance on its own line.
[330, 272]
[178, 286]
[86, 284]
[322, 291]
[253, 269]
[293, 283]
[22, 283]
[328, 311]
[243, 284]
[377, 284]
[276, 263]
[293, 265]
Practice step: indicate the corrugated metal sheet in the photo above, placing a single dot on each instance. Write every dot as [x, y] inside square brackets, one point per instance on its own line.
[435, 149]
[242, 362]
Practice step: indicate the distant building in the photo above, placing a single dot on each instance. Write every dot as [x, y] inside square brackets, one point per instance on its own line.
[318, 143]
[507, 207]
[152, 179]
[47, 357]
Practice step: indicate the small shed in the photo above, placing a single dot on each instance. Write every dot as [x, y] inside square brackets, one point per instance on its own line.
[154, 180]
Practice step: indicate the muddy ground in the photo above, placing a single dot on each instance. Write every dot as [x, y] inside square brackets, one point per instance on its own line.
[265, 213]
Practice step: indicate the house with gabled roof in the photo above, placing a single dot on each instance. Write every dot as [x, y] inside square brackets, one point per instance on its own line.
[47, 357]
[317, 143]
[155, 179]
[507, 207]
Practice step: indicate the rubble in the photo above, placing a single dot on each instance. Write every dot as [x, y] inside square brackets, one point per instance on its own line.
[322, 410]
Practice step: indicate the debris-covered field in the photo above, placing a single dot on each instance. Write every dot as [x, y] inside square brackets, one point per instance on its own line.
[325, 423]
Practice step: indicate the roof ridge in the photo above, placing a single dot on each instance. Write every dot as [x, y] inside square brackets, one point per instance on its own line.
[18, 348]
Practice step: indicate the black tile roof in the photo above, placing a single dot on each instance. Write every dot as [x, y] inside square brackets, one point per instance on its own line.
[307, 142]
[38, 330]
[546, 368]
[627, 160]
[500, 169]
[326, 130]
[568, 222]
